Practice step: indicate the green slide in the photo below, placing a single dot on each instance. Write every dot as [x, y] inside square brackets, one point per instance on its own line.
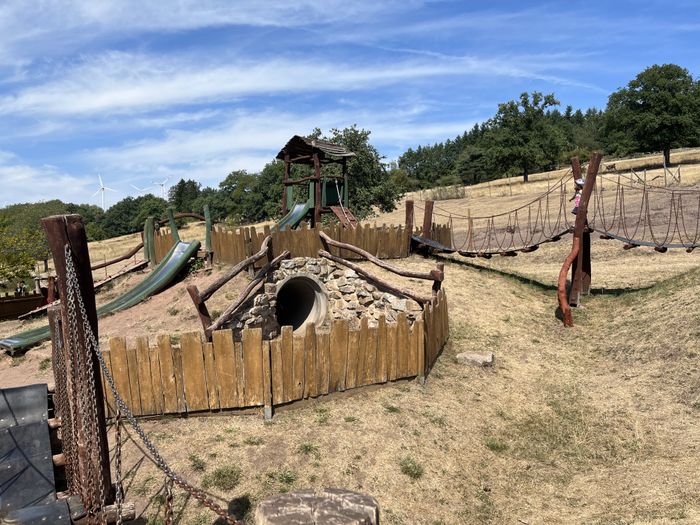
[295, 216]
[161, 276]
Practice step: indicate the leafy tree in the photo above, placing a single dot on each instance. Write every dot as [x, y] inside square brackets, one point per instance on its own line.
[523, 138]
[183, 195]
[17, 253]
[658, 110]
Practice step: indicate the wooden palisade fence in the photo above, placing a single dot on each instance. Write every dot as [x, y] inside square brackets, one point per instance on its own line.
[197, 376]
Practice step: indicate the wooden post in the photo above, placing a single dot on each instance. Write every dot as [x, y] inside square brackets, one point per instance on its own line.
[581, 267]
[62, 231]
[346, 190]
[285, 204]
[317, 190]
[149, 241]
[409, 222]
[427, 219]
[173, 225]
[209, 254]
[579, 228]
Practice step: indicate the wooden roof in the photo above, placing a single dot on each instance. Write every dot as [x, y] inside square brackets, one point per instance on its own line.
[300, 150]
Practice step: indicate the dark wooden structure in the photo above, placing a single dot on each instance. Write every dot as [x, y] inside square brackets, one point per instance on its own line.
[314, 153]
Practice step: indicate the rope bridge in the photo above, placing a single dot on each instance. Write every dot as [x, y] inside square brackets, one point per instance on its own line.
[622, 209]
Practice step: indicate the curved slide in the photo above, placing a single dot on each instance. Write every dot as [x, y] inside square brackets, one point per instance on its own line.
[161, 276]
[295, 215]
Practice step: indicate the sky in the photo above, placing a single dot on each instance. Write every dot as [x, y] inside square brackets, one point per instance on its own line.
[141, 91]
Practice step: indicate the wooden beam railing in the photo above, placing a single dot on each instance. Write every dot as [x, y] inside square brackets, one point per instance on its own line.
[199, 298]
[127, 255]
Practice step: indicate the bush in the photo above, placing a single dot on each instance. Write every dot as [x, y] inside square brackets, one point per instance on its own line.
[223, 478]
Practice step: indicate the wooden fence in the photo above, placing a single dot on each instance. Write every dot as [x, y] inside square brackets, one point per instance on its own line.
[385, 242]
[197, 376]
[163, 240]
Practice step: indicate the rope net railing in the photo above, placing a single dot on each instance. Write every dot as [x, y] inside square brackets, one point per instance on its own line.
[621, 208]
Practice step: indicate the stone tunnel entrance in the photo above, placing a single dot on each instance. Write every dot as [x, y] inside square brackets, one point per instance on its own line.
[301, 300]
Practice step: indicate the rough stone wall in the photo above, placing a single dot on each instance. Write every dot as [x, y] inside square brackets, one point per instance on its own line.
[350, 297]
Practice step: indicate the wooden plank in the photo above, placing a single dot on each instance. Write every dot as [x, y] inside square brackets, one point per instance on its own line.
[240, 373]
[253, 364]
[277, 371]
[144, 372]
[110, 403]
[226, 371]
[134, 388]
[412, 365]
[120, 368]
[193, 372]
[420, 357]
[352, 367]
[323, 353]
[370, 355]
[381, 351]
[287, 363]
[267, 379]
[171, 403]
[402, 345]
[156, 380]
[338, 354]
[298, 367]
[362, 354]
[212, 379]
[310, 388]
[391, 351]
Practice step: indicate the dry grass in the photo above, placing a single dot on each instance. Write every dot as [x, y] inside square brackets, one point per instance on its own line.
[598, 424]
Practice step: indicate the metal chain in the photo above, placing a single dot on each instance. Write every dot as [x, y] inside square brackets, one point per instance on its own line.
[168, 502]
[156, 458]
[118, 466]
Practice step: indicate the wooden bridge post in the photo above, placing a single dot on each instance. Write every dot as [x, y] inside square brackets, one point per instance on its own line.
[80, 362]
[428, 219]
[581, 267]
[409, 222]
[208, 252]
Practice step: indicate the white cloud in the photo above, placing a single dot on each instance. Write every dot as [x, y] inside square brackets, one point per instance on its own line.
[25, 183]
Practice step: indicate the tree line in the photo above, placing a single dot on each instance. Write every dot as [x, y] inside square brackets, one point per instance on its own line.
[656, 111]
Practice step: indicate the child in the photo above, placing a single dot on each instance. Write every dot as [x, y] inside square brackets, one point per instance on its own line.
[578, 187]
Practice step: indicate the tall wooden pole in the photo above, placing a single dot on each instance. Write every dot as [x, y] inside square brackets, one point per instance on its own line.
[409, 222]
[579, 227]
[317, 189]
[428, 219]
[62, 231]
[285, 204]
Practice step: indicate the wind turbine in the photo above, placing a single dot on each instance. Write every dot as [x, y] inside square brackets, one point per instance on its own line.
[140, 190]
[162, 186]
[102, 190]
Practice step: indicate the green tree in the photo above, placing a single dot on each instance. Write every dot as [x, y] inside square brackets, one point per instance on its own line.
[183, 195]
[17, 253]
[658, 110]
[522, 137]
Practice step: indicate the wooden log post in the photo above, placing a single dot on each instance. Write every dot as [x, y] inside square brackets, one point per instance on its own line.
[409, 222]
[149, 240]
[91, 473]
[579, 227]
[317, 191]
[173, 226]
[428, 219]
[208, 252]
[285, 204]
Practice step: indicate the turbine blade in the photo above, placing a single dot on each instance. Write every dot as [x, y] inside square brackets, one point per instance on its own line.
[98, 191]
[110, 189]
[100, 177]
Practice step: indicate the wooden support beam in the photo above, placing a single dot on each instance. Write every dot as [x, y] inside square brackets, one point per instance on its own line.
[409, 222]
[68, 231]
[317, 192]
[428, 219]
[127, 255]
[254, 285]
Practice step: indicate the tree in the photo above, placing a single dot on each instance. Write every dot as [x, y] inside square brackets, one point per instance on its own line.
[183, 195]
[522, 136]
[17, 253]
[658, 110]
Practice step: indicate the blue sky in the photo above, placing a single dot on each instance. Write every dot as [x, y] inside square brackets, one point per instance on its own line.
[139, 91]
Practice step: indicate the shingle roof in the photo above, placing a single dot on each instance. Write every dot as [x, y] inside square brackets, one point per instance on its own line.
[300, 146]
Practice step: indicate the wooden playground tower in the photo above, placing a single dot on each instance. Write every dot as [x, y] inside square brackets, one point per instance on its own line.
[328, 192]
